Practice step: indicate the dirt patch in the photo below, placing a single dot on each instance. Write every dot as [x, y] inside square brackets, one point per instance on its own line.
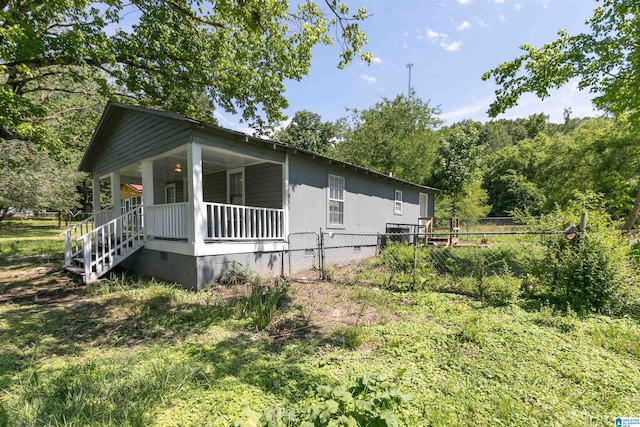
[37, 285]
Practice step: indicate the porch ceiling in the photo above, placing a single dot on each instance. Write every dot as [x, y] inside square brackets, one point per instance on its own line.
[213, 160]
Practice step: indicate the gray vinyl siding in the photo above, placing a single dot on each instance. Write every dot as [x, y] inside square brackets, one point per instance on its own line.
[368, 199]
[158, 193]
[263, 185]
[214, 187]
[137, 136]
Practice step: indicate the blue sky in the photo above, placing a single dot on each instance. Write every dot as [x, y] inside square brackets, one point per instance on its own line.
[450, 43]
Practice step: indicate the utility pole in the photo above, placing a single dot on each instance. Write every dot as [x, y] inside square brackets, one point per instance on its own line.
[409, 66]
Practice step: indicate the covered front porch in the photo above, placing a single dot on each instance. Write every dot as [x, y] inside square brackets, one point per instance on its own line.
[202, 194]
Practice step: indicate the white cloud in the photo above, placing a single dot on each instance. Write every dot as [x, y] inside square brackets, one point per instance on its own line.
[482, 22]
[499, 1]
[442, 40]
[464, 1]
[369, 79]
[567, 96]
[517, 6]
[463, 26]
[501, 17]
[434, 34]
[450, 46]
[544, 3]
[376, 60]
[553, 106]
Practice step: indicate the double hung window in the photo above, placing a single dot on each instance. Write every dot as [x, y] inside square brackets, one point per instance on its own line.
[336, 200]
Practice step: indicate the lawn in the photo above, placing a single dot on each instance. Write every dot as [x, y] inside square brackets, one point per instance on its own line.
[129, 351]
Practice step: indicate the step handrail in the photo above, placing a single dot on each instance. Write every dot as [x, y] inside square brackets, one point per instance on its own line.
[106, 245]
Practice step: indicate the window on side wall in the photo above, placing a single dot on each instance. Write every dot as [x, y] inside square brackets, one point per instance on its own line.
[336, 201]
[397, 207]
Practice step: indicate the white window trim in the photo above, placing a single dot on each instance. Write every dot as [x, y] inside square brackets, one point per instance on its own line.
[244, 193]
[329, 199]
[397, 204]
[166, 193]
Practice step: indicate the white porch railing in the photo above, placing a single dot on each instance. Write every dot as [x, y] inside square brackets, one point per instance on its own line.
[168, 221]
[236, 222]
[106, 245]
[73, 234]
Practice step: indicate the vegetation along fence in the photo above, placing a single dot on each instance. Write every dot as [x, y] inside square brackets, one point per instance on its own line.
[466, 262]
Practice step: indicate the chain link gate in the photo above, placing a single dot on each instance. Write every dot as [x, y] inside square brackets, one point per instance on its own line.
[305, 256]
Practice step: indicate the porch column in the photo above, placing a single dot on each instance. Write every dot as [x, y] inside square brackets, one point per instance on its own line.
[147, 194]
[285, 196]
[116, 203]
[197, 210]
[95, 190]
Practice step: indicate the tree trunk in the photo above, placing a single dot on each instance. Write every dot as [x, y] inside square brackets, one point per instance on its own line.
[634, 213]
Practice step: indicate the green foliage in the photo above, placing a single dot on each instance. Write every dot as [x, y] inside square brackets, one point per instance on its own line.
[148, 353]
[368, 400]
[587, 272]
[350, 336]
[457, 161]
[186, 57]
[309, 132]
[472, 205]
[264, 301]
[510, 178]
[30, 178]
[601, 59]
[395, 136]
[403, 273]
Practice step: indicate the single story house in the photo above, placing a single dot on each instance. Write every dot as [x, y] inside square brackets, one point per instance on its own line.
[212, 196]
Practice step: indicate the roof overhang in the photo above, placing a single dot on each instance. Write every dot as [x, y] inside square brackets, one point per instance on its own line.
[114, 108]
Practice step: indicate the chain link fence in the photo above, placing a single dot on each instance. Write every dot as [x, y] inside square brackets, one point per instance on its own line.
[471, 263]
[463, 262]
[304, 256]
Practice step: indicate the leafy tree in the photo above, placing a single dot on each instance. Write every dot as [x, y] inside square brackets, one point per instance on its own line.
[472, 205]
[309, 132]
[394, 136]
[605, 59]
[31, 179]
[457, 161]
[184, 56]
[535, 124]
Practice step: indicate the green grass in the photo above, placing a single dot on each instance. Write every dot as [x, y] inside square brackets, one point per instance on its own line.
[40, 228]
[30, 242]
[129, 351]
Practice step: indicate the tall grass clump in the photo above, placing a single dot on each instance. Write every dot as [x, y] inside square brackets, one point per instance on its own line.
[264, 301]
[590, 272]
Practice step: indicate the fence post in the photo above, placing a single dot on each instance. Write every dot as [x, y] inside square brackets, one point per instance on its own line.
[415, 258]
[321, 255]
[583, 225]
[67, 248]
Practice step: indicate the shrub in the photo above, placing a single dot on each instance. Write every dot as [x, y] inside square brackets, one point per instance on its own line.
[409, 268]
[369, 400]
[587, 272]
